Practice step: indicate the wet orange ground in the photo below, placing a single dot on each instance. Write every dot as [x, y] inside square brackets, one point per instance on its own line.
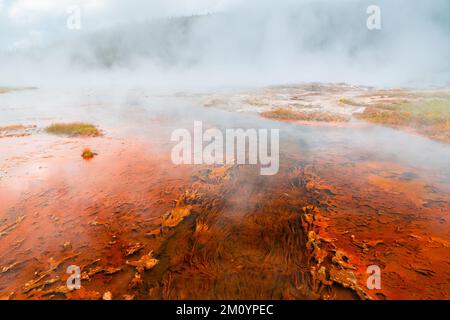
[217, 232]
[392, 216]
[58, 210]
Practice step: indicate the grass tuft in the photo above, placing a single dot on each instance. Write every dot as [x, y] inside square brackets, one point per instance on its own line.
[88, 154]
[74, 129]
[289, 114]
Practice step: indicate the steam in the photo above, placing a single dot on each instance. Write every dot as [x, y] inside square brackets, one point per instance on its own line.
[224, 43]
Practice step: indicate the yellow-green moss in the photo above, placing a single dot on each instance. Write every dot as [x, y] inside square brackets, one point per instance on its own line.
[74, 129]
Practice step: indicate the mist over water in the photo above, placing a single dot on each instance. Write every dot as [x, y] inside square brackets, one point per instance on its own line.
[179, 44]
[109, 198]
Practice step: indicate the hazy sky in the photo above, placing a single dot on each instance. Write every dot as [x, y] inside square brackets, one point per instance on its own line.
[248, 41]
[25, 22]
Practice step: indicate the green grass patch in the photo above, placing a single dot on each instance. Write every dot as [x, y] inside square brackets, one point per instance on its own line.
[431, 112]
[426, 112]
[74, 129]
[288, 114]
[428, 116]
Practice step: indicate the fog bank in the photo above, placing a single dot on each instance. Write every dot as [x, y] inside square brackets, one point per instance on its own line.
[179, 44]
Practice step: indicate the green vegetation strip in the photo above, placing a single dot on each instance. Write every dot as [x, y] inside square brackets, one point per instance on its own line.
[74, 129]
